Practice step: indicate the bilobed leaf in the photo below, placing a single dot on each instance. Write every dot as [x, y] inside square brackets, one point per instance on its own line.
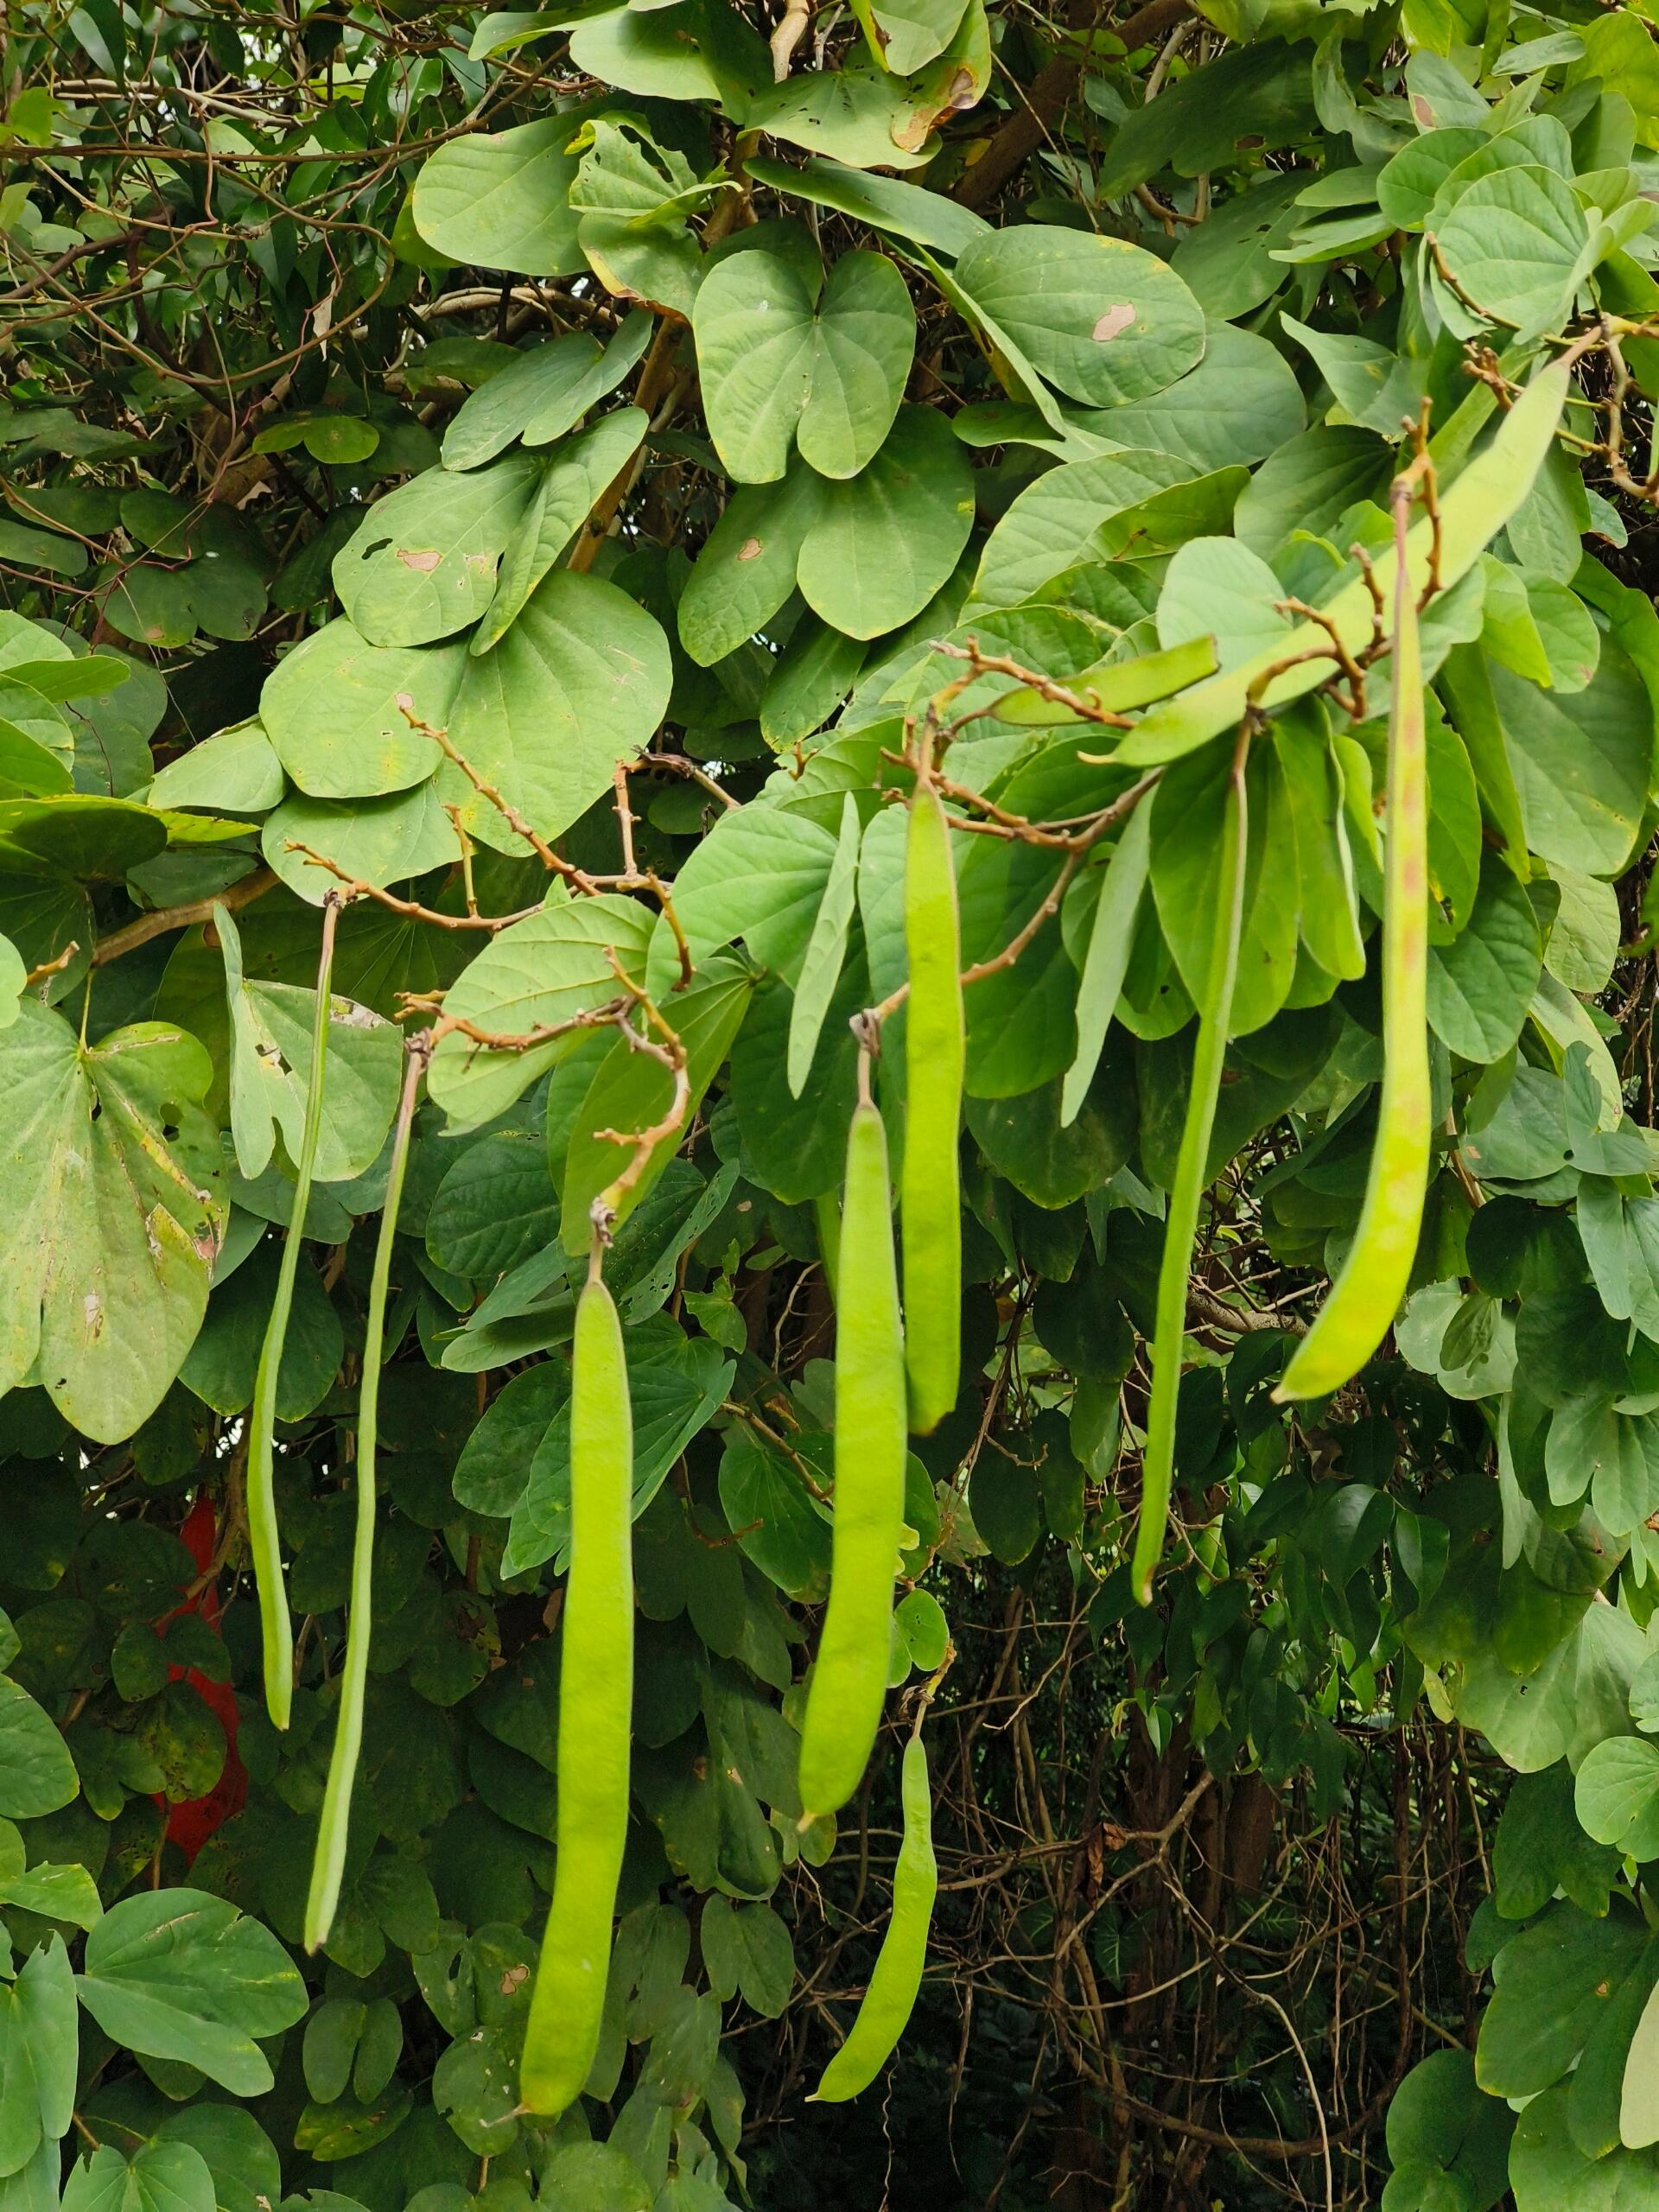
[1579, 760]
[158, 2178]
[1616, 1796]
[1240, 403]
[379, 841]
[654, 53]
[858, 115]
[179, 1975]
[1557, 1977]
[1408, 183]
[777, 363]
[1547, 2169]
[747, 1948]
[747, 569]
[1481, 984]
[1440, 2118]
[110, 1214]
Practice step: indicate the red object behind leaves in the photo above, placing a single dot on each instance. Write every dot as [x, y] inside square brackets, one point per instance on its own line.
[190, 1823]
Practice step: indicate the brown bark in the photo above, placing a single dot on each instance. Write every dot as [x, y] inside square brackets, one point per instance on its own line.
[1045, 99]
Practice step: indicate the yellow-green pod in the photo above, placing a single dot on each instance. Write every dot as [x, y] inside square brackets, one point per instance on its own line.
[595, 1716]
[930, 1196]
[849, 1682]
[1367, 1294]
[890, 1997]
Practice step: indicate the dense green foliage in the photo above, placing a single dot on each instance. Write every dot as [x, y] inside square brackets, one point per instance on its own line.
[513, 524]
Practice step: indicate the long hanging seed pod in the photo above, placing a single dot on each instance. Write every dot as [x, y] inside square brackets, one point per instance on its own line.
[930, 1203]
[333, 1831]
[1367, 1294]
[264, 1539]
[1181, 1225]
[849, 1681]
[891, 1996]
[595, 1713]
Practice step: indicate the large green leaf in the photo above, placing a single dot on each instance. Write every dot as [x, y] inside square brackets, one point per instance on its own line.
[1103, 320]
[1580, 762]
[1085, 513]
[747, 569]
[37, 1774]
[1481, 985]
[579, 683]
[1514, 242]
[555, 963]
[499, 198]
[1548, 2170]
[760, 875]
[335, 712]
[39, 2043]
[1553, 1981]
[779, 365]
[888, 538]
[907, 211]
[1440, 2120]
[178, 1975]
[271, 1028]
[423, 562]
[110, 1214]
[569, 490]
[1616, 1796]
[1240, 403]
[542, 393]
[379, 841]
[859, 116]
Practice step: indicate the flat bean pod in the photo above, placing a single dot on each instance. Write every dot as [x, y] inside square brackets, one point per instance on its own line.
[930, 1202]
[849, 1682]
[890, 1997]
[1366, 1294]
[264, 1538]
[334, 1830]
[596, 1717]
[1181, 1222]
